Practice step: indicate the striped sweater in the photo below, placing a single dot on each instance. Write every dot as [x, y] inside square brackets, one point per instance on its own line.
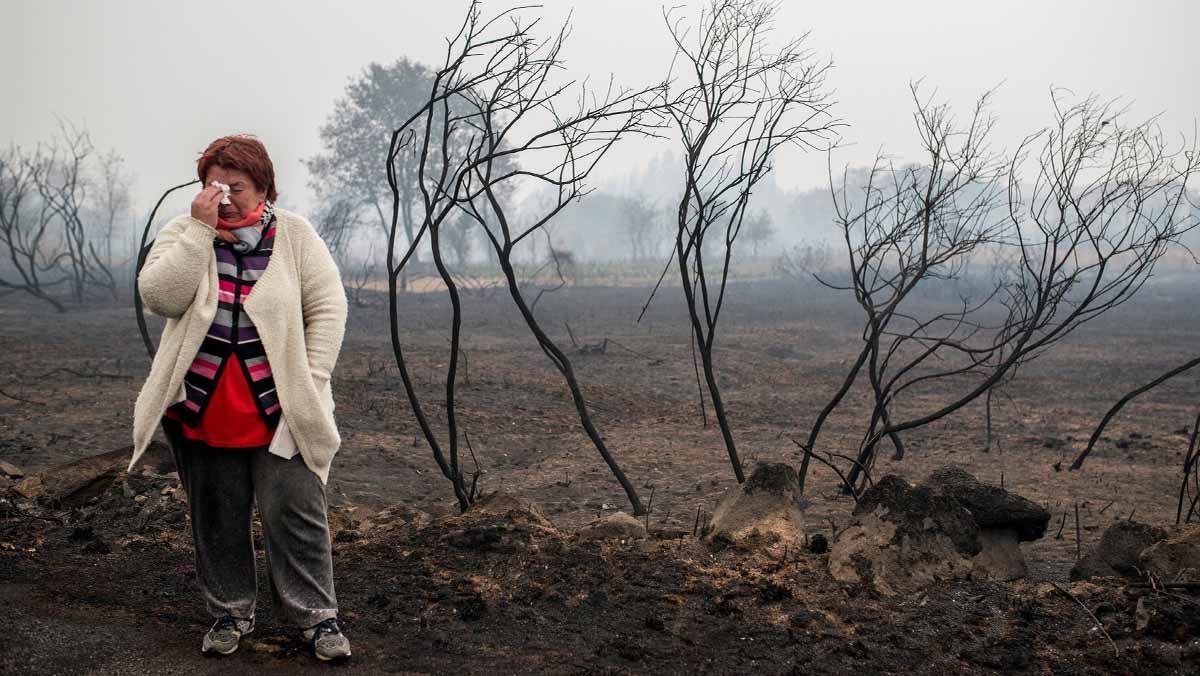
[233, 332]
[299, 310]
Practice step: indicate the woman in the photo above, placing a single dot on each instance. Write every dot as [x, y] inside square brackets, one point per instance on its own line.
[255, 315]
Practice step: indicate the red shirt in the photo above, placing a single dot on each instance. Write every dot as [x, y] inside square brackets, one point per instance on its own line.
[231, 418]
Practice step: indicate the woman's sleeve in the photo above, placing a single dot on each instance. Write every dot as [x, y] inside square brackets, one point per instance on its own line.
[323, 301]
[175, 267]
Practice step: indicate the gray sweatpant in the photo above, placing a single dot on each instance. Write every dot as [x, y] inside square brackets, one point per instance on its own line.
[222, 487]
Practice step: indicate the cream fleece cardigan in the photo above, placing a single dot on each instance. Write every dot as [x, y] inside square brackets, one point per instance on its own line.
[298, 307]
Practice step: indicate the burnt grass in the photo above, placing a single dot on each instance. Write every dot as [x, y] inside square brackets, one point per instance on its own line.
[107, 587]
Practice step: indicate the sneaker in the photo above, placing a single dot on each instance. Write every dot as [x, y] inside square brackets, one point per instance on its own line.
[327, 641]
[225, 634]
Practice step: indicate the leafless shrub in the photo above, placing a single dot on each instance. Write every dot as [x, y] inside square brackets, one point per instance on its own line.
[1105, 202]
[804, 262]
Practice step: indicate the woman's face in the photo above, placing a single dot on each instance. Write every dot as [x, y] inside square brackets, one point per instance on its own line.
[242, 192]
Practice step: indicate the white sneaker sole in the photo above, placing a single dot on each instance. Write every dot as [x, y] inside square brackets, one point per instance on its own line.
[213, 650]
[327, 658]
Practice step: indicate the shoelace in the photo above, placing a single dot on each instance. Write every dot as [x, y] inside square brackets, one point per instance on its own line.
[326, 627]
[227, 622]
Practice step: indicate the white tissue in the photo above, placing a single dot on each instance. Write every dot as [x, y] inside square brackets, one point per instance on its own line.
[225, 189]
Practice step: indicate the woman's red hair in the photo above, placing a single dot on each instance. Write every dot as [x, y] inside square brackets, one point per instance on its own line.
[243, 153]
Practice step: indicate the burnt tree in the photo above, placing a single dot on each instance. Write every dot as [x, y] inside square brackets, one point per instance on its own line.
[1073, 224]
[495, 117]
[737, 100]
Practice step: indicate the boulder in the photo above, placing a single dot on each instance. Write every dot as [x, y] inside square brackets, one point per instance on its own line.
[1004, 520]
[618, 526]
[767, 507]
[903, 538]
[991, 506]
[999, 556]
[1117, 552]
[1176, 558]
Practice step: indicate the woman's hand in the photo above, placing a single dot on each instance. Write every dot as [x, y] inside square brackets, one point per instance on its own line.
[204, 205]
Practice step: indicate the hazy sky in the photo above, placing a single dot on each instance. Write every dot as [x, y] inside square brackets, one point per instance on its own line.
[158, 79]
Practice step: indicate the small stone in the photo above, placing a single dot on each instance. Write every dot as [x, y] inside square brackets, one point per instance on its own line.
[30, 488]
[10, 470]
[140, 499]
[344, 536]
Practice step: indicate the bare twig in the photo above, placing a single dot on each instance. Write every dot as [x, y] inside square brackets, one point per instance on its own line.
[1096, 620]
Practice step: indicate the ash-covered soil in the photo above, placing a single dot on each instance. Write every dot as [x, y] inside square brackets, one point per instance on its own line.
[107, 587]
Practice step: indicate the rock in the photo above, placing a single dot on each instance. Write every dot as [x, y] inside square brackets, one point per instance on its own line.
[74, 483]
[30, 488]
[1004, 520]
[903, 538]
[999, 557]
[1167, 618]
[767, 507]
[1176, 558]
[1117, 552]
[152, 508]
[10, 470]
[618, 526]
[346, 535]
[991, 506]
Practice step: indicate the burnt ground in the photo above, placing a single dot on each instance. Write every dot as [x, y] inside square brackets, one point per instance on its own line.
[110, 589]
